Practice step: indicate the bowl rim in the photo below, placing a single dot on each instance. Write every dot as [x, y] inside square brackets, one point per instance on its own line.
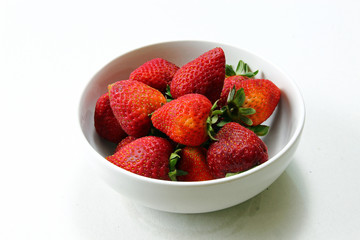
[297, 133]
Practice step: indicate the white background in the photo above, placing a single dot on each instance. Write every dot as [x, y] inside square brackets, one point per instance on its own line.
[50, 49]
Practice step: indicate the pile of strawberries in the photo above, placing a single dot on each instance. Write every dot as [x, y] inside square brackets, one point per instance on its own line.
[197, 122]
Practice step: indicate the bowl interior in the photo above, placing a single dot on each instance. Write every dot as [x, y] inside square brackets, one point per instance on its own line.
[285, 123]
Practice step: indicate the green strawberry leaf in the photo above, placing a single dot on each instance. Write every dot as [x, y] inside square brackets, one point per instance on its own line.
[247, 111]
[231, 94]
[211, 132]
[229, 71]
[173, 160]
[250, 74]
[168, 95]
[181, 172]
[217, 112]
[214, 106]
[233, 110]
[242, 69]
[222, 123]
[245, 120]
[239, 97]
[214, 119]
[260, 130]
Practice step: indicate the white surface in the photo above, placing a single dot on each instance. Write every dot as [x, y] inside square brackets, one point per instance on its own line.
[48, 52]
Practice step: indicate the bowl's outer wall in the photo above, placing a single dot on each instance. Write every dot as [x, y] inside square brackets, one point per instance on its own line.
[282, 140]
[181, 198]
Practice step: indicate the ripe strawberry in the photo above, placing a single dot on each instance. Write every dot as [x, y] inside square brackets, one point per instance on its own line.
[204, 75]
[233, 78]
[229, 83]
[147, 156]
[106, 125]
[124, 142]
[237, 149]
[193, 161]
[132, 102]
[261, 95]
[156, 73]
[184, 119]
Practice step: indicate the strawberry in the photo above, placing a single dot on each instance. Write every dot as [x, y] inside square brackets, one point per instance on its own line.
[237, 149]
[261, 95]
[233, 78]
[229, 83]
[193, 161]
[204, 75]
[106, 125]
[147, 156]
[156, 73]
[132, 102]
[185, 119]
[124, 142]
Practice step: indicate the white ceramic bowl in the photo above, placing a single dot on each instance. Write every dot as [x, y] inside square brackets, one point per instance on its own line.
[195, 197]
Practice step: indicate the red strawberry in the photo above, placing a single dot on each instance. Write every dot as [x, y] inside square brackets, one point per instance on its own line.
[147, 156]
[233, 78]
[229, 83]
[132, 102]
[105, 123]
[124, 142]
[156, 73]
[193, 161]
[237, 149]
[261, 95]
[184, 119]
[204, 75]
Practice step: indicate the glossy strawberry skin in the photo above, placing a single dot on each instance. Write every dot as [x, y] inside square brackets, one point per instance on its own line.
[106, 125]
[156, 73]
[261, 95]
[237, 149]
[204, 75]
[147, 156]
[229, 83]
[184, 119]
[193, 161]
[124, 142]
[132, 102]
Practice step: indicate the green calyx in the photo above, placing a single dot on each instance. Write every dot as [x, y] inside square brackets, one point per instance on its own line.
[212, 120]
[242, 69]
[168, 95]
[233, 110]
[173, 160]
[260, 130]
